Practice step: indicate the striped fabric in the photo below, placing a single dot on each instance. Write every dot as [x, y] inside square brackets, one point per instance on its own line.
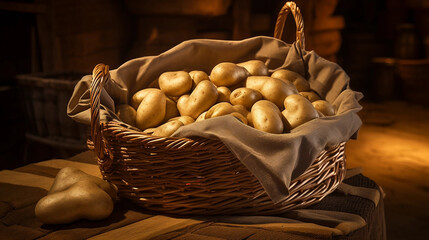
[354, 211]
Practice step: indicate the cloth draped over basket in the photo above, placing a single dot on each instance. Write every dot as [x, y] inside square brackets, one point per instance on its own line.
[274, 159]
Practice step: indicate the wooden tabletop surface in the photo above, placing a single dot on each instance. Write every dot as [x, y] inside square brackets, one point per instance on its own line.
[338, 216]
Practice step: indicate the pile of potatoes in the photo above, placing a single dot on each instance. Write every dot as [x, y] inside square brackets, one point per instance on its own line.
[274, 104]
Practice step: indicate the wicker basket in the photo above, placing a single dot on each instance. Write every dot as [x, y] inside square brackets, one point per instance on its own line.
[199, 176]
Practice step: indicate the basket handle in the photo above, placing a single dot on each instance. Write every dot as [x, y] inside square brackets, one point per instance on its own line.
[100, 75]
[281, 19]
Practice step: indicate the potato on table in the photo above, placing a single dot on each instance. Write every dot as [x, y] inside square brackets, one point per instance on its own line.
[76, 195]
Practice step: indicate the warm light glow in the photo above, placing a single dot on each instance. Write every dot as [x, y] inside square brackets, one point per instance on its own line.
[393, 150]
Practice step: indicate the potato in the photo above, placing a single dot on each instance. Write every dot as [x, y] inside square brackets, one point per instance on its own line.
[266, 117]
[175, 99]
[220, 109]
[310, 95]
[170, 109]
[223, 94]
[83, 200]
[256, 82]
[285, 75]
[227, 74]
[149, 130]
[154, 84]
[127, 114]
[298, 110]
[302, 85]
[250, 120]
[68, 176]
[324, 107]
[200, 100]
[138, 96]
[167, 129]
[170, 105]
[255, 67]
[245, 96]
[239, 116]
[175, 83]
[272, 89]
[151, 111]
[225, 108]
[201, 117]
[241, 109]
[299, 81]
[184, 119]
[198, 76]
[76, 195]
[238, 85]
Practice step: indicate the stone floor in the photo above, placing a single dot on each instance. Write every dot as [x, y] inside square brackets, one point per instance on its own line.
[393, 149]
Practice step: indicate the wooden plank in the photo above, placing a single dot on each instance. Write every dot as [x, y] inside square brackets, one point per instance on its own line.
[226, 232]
[193, 236]
[148, 228]
[25, 179]
[302, 227]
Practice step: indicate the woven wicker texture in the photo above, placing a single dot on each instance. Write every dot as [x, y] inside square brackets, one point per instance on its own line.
[196, 176]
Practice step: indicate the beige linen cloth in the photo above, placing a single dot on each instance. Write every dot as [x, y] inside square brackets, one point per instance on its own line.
[274, 159]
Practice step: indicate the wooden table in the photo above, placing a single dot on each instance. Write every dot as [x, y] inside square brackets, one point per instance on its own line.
[354, 211]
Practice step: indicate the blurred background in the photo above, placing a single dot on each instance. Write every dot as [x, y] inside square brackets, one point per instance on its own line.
[383, 45]
[53, 43]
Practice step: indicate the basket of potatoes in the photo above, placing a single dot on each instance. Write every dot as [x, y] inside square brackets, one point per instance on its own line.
[256, 126]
